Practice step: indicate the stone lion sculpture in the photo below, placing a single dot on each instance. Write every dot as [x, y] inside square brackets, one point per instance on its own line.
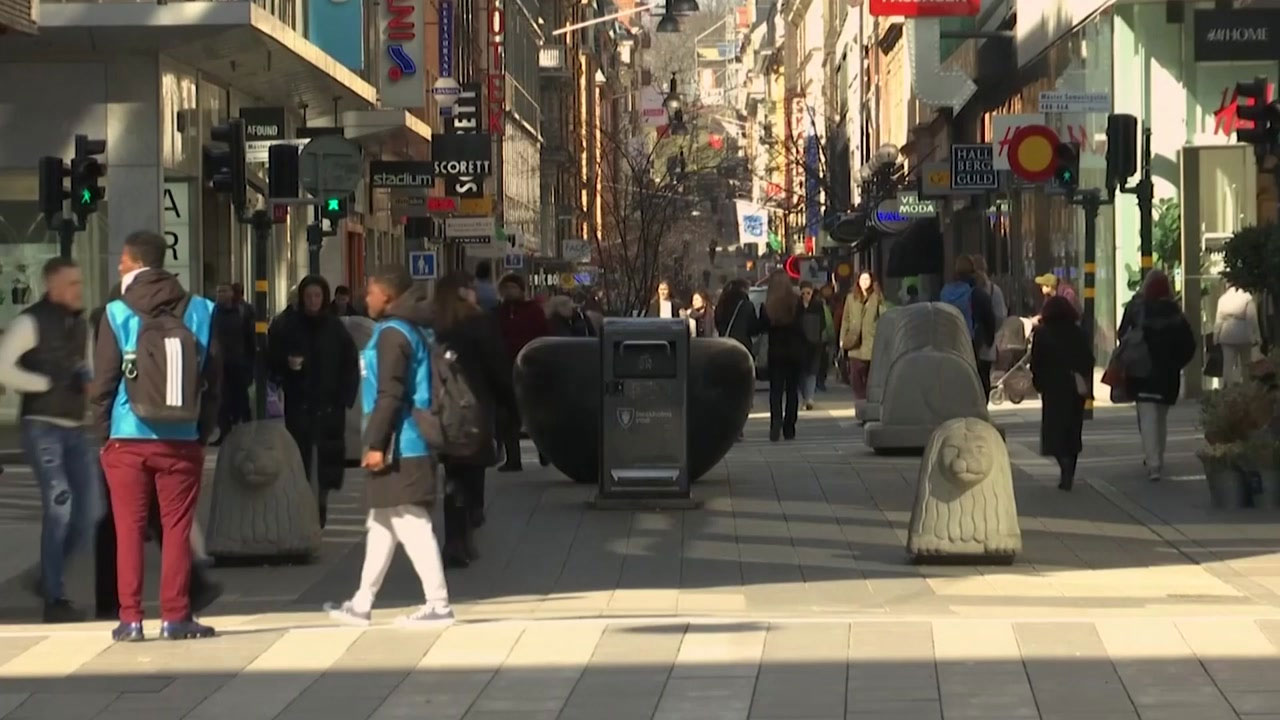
[930, 377]
[361, 329]
[965, 507]
[262, 504]
[902, 331]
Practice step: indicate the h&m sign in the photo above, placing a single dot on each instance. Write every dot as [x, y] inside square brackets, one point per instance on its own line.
[1237, 35]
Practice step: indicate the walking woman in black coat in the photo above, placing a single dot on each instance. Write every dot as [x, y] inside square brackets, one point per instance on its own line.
[1062, 370]
[781, 317]
[735, 314]
[463, 327]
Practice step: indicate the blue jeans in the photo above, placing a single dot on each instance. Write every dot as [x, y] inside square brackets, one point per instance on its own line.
[71, 495]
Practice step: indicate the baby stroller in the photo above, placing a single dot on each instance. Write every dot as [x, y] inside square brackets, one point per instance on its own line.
[1012, 367]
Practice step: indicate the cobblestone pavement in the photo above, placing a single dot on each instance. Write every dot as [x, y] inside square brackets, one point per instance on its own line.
[786, 596]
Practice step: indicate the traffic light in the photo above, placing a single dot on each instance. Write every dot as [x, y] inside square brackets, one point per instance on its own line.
[225, 167]
[1122, 149]
[334, 208]
[282, 171]
[53, 193]
[1066, 171]
[1253, 105]
[86, 172]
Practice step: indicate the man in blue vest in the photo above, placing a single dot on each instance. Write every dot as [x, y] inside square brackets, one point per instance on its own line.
[155, 402]
[395, 376]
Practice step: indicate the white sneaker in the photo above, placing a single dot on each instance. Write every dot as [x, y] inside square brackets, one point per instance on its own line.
[430, 615]
[347, 614]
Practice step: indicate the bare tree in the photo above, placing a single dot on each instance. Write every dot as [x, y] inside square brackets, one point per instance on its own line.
[648, 197]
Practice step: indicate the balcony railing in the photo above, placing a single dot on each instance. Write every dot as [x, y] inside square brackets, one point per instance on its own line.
[552, 61]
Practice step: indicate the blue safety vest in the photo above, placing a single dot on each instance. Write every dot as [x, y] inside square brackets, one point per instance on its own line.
[407, 440]
[124, 325]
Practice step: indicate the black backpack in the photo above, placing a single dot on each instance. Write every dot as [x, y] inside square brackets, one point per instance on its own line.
[162, 372]
[455, 423]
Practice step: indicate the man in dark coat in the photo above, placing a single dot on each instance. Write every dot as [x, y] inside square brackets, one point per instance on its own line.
[521, 321]
[313, 355]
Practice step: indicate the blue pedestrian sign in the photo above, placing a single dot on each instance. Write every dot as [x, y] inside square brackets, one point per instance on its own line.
[422, 264]
[513, 261]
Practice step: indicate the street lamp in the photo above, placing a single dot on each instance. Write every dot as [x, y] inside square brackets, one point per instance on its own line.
[672, 102]
[668, 23]
[887, 153]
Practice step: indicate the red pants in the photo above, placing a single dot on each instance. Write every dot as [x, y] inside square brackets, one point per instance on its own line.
[172, 469]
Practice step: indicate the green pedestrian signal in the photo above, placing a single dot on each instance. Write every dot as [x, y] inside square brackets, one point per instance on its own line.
[333, 205]
[86, 197]
[334, 208]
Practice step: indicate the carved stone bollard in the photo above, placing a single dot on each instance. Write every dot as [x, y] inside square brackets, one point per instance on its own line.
[965, 507]
[262, 505]
[558, 386]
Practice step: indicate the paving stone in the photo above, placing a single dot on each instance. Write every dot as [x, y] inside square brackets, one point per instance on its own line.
[706, 698]
[46, 706]
[721, 651]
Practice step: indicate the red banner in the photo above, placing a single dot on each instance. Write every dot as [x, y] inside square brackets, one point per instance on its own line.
[925, 8]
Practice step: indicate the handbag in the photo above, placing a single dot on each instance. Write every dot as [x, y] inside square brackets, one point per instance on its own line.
[1213, 364]
[1133, 354]
[1082, 386]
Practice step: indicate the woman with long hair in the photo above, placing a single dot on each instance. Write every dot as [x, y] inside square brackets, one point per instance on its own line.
[701, 315]
[735, 314]
[862, 311]
[813, 321]
[1171, 346]
[781, 317]
[461, 325]
[1062, 371]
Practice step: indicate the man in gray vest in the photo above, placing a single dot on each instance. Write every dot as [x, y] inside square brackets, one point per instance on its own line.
[43, 356]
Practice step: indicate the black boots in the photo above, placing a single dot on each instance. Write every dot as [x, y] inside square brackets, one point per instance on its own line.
[1067, 466]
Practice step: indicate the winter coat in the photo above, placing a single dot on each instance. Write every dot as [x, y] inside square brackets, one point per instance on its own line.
[999, 311]
[405, 480]
[813, 321]
[736, 317]
[484, 362]
[1058, 351]
[1236, 320]
[858, 328]
[521, 322]
[787, 343]
[655, 308]
[702, 323]
[1171, 344]
[329, 378]
[233, 324]
[576, 325]
[152, 292]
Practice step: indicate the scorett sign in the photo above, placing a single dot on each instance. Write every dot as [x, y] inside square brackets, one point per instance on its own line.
[1237, 35]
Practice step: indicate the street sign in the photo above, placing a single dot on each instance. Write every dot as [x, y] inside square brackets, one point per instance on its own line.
[1003, 128]
[512, 261]
[1032, 153]
[973, 168]
[422, 264]
[575, 250]
[257, 151]
[469, 231]
[331, 164]
[1062, 101]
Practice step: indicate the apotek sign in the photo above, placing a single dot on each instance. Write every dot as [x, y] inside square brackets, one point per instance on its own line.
[925, 8]
[496, 86]
[401, 83]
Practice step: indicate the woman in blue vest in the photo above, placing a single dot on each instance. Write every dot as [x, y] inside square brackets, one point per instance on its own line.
[395, 377]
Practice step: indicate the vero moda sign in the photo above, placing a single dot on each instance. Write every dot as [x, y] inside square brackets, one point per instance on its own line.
[925, 8]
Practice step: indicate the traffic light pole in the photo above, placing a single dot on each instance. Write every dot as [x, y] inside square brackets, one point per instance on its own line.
[1144, 191]
[1091, 202]
[262, 226]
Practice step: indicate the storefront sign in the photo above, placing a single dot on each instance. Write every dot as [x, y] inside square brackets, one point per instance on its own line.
[401, 83]
[463, 155]
[263, 123]
[914, 208]
[575, 250]
[1226, 119]
[1003, 128]
[400, 174]
[973, 168]
[475, 206]
[446, 38]
[888, 218]
[175, 202]
[1062, 101]
[497, 68]
[469, 231]
[1236, 35]
[467, 119]
[925, 8]
[409, 206]
[337, 27]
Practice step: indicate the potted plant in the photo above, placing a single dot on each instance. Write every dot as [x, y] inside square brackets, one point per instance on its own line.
[1232, 419]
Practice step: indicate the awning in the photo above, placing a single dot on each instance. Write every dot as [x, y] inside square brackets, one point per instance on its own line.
[917, 251]
[396, 131]
[237, 43]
